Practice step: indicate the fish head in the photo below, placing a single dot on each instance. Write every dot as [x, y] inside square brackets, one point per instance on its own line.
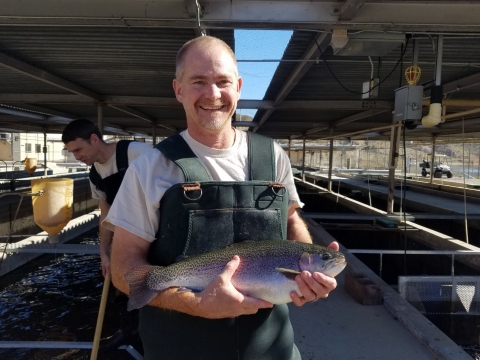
[328, 262]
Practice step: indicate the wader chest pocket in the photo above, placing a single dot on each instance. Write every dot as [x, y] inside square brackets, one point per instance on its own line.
[213, 229]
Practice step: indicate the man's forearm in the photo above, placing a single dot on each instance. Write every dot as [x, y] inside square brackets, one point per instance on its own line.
[297, 229]
[106, 237]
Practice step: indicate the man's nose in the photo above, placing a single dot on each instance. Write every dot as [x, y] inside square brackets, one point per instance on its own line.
[213, 92]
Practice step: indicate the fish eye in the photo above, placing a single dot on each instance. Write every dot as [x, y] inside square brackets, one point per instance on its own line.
[326, 256]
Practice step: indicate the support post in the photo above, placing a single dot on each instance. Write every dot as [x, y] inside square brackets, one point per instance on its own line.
[392, 165]
[154, 134]
[100, 118]
[432, 160]
[330, 163]
[303, 159]
[45, 153]
[290, 149]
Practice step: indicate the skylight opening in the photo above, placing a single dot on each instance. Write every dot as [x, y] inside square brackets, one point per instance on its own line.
[250, 47]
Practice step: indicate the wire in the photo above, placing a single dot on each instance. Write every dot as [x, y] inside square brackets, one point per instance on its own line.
[380, 82]
[404, 188]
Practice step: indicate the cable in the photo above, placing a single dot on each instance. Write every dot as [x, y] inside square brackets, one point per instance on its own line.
[380, 82]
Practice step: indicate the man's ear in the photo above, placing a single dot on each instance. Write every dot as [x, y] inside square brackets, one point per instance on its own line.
[94, 138]
[177, 87]
[239, 87]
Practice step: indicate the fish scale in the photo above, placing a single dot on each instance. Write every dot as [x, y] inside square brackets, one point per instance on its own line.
[267, 270]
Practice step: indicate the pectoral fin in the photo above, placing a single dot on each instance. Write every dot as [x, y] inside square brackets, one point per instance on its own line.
[288, 273]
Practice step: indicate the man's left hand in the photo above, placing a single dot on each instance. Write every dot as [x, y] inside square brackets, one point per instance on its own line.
[314, 286]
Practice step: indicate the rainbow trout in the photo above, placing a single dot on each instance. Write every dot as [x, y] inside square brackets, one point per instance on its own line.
[267, 270]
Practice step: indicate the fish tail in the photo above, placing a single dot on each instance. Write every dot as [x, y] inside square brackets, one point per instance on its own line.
[140, 293]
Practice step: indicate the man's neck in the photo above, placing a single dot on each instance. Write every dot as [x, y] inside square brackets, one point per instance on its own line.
[105, 152]
[220, 140]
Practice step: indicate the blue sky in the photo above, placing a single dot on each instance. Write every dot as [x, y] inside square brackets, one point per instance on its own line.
[258, 45]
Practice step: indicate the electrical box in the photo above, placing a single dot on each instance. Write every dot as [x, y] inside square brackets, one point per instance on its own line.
[367, 87]
[408, 103]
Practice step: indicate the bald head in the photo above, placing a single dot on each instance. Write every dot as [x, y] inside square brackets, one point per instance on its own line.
[202, 42]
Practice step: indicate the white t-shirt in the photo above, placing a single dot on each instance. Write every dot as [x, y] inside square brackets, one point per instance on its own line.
[137, 205]
[135, 149]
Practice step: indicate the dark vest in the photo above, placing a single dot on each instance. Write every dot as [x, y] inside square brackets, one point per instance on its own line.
[111, 184]
[201, 215]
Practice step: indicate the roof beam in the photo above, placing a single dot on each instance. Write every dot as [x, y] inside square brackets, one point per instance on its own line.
[260, 14]
[172, 102]
[343, 121]
[38, 74]
[321, 40]
[140, 115]
[350, 8]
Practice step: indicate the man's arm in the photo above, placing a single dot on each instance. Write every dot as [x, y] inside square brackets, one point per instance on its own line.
[296, 227]
[219, 300]
[105, 238]
[312, 286]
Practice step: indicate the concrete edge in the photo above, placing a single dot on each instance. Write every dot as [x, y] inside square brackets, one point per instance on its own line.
[425, 331]
[75, 228]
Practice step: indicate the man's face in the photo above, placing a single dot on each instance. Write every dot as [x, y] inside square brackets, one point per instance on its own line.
[209, 88]
[84, 150]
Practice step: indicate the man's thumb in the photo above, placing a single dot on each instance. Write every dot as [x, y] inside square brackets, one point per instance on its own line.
[231, 267]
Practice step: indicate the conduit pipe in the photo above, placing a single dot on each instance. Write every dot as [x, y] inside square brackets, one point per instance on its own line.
[434, 116]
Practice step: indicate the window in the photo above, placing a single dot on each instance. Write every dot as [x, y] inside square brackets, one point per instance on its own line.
[38, 148]
[28, 148]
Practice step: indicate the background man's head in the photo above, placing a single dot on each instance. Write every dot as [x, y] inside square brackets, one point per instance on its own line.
[80, 128]
[83, 139]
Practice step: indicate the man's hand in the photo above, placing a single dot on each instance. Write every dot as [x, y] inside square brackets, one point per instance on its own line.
[105, 260]
[220, 299]
[314, 286]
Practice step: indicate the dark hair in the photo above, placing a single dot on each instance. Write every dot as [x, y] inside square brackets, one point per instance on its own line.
[80, 128]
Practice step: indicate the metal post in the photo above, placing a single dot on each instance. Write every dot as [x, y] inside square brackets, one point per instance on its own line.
[438, 70]
[154, 134]
[392, 164]
[432, 165]
[100, 117]
[303, 158]
[45, 153]
[290, 149]
[330, 162]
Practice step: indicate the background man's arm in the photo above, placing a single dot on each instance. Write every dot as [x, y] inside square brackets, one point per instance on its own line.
[106, 237]
[219, 300]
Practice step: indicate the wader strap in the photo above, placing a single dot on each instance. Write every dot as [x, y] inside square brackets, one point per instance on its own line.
[176, 149]
[122, 154]
[261, 157]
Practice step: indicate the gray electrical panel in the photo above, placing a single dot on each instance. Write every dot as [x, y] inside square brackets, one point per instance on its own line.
[408, 103]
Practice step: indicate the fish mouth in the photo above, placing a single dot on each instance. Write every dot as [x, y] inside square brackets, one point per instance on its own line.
[339, 261]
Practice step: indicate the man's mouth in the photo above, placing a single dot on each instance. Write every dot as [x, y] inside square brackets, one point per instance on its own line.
[211, 107]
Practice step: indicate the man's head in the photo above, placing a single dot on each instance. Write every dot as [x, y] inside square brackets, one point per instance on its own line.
[82, 138]
[207, 83]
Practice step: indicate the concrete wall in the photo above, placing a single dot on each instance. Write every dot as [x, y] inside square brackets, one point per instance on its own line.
[5, 150]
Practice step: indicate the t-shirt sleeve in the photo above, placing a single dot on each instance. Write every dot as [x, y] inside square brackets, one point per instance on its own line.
[135, 149]
[132, 210]
[285, 176]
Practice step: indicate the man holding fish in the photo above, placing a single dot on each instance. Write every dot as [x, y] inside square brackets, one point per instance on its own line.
[200, 228]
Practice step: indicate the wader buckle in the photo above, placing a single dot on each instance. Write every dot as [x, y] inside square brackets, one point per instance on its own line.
[275, 185]
[192, 187]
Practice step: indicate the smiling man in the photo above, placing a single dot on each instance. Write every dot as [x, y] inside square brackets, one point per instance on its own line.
[203, 189]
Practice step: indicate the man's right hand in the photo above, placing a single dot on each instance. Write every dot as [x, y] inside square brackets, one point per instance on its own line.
[105, 260]
[220, 299]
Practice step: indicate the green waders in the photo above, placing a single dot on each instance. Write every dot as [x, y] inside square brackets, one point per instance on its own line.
[201, 215]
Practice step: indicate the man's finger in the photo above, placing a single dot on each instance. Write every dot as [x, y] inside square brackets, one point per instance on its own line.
[231, 267]
[334, 246]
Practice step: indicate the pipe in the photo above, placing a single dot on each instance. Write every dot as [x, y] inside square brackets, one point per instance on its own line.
[434, 116]
[45, 153]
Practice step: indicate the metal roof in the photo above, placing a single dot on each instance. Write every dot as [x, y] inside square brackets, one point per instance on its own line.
[59, 63]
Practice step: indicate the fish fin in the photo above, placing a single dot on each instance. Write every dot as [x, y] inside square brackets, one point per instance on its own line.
[140, 293]
[288, 273]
